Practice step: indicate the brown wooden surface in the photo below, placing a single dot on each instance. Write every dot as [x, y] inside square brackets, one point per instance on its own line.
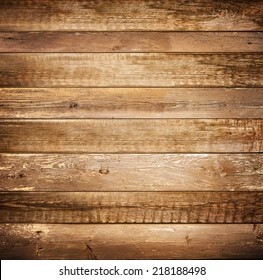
[131, 207]
[131, 102]
[131, 172]
[25, 15]
[132, 136]
[146, 112]
[131, 70]
[131, 42]
[43, 241]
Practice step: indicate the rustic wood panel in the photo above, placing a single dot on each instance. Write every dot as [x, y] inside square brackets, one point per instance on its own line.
[131, 103]
[131, 172]
[131, 42]
[131, 207]
[132, 135]
[131, 70]
[39, 241]
[100, 15]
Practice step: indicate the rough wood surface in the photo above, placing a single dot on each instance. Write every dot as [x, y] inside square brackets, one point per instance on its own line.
[131, 129]
[131, 103]
[132, 135]
[131, 70]
[131, 42]
[131, 207]
[38, 241]
[25, 15]
[131, 172]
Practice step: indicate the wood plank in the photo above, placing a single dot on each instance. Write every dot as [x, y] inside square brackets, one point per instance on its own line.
[131, 42]
[131, 207]
[131, 172]
[131, 70]
[43, 241]
[98, 15]
[131, 103]
[132, 136]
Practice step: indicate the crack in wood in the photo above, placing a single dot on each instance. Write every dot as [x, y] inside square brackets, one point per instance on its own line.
[91, 254]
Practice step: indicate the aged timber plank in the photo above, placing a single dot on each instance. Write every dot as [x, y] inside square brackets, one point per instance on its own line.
[131, 70]
[131, 103]
[25, 15]
[132, 135]
[131, 207]
[131, 172]
[131, 42]
[39, 241]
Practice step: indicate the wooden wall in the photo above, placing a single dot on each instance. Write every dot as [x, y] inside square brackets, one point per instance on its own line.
[131, 129]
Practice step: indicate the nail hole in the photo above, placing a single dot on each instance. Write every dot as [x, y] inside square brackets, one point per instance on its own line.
[74, 106]
[104, 171]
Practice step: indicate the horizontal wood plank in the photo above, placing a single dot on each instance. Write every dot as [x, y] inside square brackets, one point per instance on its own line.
[131, 207]
[131, 70]
[25, 15]
[131, 42]
[39, 241]
[131, 103]
[131, 172]
[132, 136]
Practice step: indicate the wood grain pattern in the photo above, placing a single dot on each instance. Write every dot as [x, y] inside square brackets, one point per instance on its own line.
[132, 135]
[131, 103]
[131, 70]
[131, 129]
[131, 172]
[131, 207]
[131, 42]
[39, 241]
[98, 15]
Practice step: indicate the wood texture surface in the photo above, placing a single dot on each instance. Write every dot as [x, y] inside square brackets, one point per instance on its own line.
[131, 103]
[133, 172]
[25, 15]
[131, 129]
[39, 241]
[131, 207]
[131, 70]
[131, 42]
[132, 136]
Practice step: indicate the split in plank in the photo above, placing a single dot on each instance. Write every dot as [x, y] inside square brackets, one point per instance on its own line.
[131, 207]
[132, 136]
[131, 172]
[98, 15]
[131, 70]
[51, 241]
[131, 42]
[131, 103]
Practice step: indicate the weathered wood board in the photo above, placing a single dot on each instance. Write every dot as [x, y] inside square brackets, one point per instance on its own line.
[132, 136]
[51, 241]
[131, 172]
[130, 70]
[164, 42]
[99, 15]
[110, 103]
[131, 207]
